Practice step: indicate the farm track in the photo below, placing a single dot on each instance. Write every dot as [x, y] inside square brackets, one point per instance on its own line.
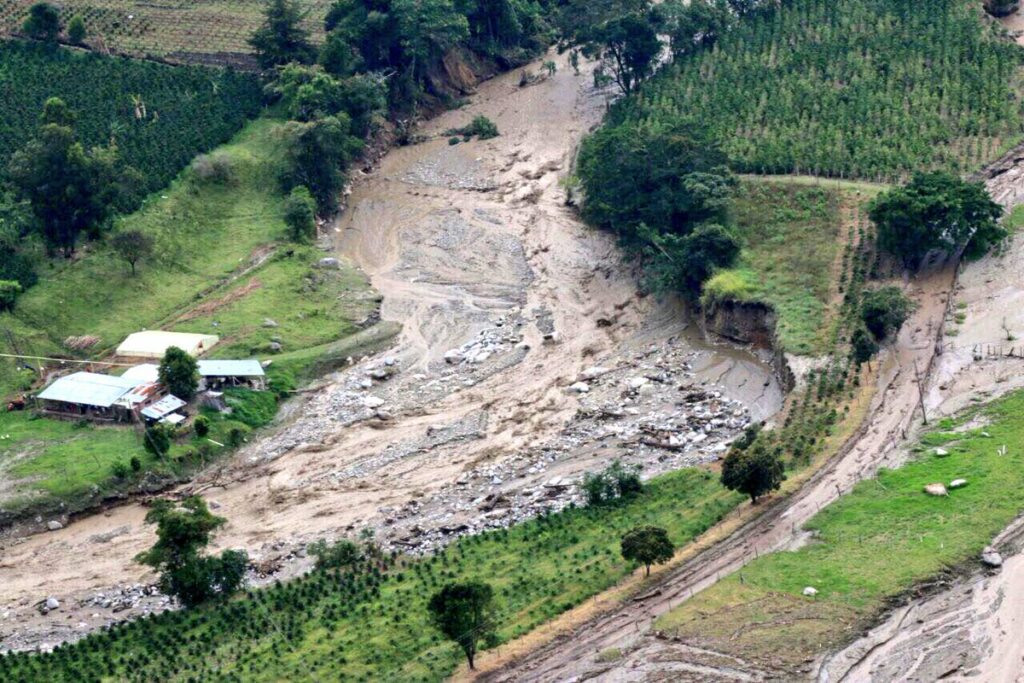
[471, 244]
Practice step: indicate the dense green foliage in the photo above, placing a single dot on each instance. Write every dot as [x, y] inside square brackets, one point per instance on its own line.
[179, 373]
[300, 214]
[370, 621]
[183, 531]
[158, 116]
[754, 469]
[936, 211]
[282, 39]
[463, 612]
[43, 22]
[860, 88]
[884, 310]
[615, 483]
[647, 545]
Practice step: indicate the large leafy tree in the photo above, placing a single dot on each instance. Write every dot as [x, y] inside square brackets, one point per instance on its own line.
[936, 211]
[684, 262]
[621, 34]
[281, 38]
[755, 470]
[463, 612]
[670, 177]
[43, 22]
[179, 372]
[884, 310]
[71, 190]
[692, 25]
[647, 545]
[183, 532]
[316, 155]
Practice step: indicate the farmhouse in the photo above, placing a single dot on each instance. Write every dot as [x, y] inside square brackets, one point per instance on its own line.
[217, 374]
[154, 343]
[104, 398]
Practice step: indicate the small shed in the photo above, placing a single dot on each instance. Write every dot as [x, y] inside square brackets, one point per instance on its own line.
[87, 395]
[163, 410]
[154, 343]
[217, 374]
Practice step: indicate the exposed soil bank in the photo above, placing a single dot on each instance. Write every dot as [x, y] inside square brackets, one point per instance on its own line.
[751, 324]
[471, 421]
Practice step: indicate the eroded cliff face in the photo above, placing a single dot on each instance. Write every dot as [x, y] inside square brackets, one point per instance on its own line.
[752, 324]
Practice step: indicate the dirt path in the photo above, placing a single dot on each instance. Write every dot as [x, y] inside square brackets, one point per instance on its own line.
[472, 420]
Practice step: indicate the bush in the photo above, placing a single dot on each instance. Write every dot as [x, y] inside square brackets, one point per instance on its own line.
[201, 425]
[300, 214]
[76, 30]
[121, 469]
[616, 482]
[217, 168]
[9, 291]
[341, 554]
[135, 463]
[43, 22]
[481, 126]
[884, 311]
[157, 439]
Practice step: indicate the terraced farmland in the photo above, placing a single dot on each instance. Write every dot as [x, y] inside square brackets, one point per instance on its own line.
[211, 32]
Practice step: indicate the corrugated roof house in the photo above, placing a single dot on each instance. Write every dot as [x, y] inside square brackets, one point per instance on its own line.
[216, 374]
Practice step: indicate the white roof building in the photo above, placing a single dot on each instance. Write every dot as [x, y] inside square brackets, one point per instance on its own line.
[154, 343]
[144, 373]
[88, 389]
[164, 407]
[230, 368]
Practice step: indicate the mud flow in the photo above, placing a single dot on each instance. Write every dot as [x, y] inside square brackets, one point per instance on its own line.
[528, 355]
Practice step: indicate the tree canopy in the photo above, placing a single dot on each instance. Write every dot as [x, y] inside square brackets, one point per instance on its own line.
[281, 38]
[179, 373]
[935, 211]
[647, 545]
[884, 310]
[43, 22]
[755, 470]
[463, 612]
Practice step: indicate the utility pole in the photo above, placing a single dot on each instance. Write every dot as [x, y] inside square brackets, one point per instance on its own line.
[920, 392]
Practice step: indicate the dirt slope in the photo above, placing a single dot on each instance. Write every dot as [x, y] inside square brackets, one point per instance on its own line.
[475, 252]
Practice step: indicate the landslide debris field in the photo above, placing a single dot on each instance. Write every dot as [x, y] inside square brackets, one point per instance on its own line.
[475, 418]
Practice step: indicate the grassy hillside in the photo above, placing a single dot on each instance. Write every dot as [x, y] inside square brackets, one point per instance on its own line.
[862, 88]
[371, 625]
[186, 30]
[182, 110]
[792, 234]
[222, 265]
[850, 561]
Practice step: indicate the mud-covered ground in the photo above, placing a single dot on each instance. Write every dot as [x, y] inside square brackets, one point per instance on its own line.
[527, 357]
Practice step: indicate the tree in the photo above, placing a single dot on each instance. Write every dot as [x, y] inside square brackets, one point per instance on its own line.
[463, 612]
[863, 346]
[670, 178]
[9, 291]
[647, 545]
[132, 245]
[43, 22]
[617, 481]
[754, 471]
[692, 25]
[281, 38]
[183, 531]
[157, 439]
[622, 35]
[76, 30]
[936, 211]
[300, 214]
[179, 373]
[884, 311]
[316, 154]
[684, 263]
[70, 190]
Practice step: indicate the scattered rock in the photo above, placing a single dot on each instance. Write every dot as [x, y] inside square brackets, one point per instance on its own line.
[958, 483]
[52, 603]
[275, 347]
[936, 490]
[329, 262]
[810, 591]
[453, 356]
[991, 558]
[373, 402]
[941, 452]
[267, 322]
[593, 373]
[580, 388]
[54, 525]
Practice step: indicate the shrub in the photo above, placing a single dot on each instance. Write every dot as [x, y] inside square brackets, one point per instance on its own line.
[217, 167]
[201, 425]
[157, 439]
[9, 291]
[338, 555]
[481, 126]
[135, 463]
[300, 214]
[76, 30]
[121, 469]
[43, 22]
[617, 481]
[884, 311]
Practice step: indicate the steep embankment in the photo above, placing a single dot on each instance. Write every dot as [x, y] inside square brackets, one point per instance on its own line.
[474, 251]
